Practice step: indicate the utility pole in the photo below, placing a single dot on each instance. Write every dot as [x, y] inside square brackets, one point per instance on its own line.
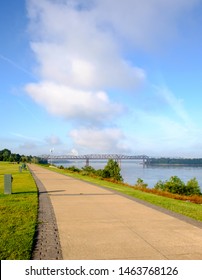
[51, 151]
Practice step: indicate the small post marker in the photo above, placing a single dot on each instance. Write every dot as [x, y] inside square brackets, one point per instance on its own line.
[8, 184]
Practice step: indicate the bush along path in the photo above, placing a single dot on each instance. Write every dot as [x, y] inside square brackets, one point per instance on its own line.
[176, 185]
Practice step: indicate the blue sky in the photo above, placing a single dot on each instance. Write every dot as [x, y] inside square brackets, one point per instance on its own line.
[101, 77]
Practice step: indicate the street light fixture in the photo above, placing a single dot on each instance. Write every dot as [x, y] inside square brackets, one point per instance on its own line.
[51, 151]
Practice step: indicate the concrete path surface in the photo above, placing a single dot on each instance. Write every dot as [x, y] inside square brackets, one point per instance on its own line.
[96, 223]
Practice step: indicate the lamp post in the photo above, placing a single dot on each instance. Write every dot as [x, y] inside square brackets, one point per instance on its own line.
[51, 151]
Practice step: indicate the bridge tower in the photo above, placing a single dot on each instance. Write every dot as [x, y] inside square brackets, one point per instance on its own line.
[145, 160]
[87, 162]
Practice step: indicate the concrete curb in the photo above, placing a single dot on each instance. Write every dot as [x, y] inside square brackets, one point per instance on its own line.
[47, 243]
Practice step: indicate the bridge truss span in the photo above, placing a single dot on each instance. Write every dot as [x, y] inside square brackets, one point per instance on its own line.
[89, 157]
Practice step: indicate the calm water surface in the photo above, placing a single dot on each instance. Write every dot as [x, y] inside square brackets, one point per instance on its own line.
[132, 170]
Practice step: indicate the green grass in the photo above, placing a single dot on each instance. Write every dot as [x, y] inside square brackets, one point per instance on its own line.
[18, 214]
[185, 208]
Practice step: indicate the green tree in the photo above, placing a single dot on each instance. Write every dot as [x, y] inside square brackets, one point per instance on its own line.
[24, 158]
[16, 157]
[112, 170]
[6, 154]
[12, 158]
[193, 187]
[35, 160]
[175, 185]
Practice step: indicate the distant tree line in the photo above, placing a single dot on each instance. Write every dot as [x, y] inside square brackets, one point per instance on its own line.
[7, 155]
[175, 161]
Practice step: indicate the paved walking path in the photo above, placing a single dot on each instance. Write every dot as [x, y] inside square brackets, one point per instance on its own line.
[96, 223]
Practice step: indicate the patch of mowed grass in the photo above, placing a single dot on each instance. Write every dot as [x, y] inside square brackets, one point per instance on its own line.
[18, 214]
[185, 208]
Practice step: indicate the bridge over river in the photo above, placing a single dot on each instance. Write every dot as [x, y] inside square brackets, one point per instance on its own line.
[87, 158]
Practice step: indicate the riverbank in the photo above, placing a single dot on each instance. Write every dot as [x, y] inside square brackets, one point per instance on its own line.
[186, 208]
[131, 171]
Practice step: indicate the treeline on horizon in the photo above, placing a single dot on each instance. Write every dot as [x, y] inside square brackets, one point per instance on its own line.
[7, 155]
[175, 161]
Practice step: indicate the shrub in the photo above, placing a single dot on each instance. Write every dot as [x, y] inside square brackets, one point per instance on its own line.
[192, 187]
[176, 186]
[160, 185]
[140, 183]
[88, 170]
[73, 169]
[99, 173]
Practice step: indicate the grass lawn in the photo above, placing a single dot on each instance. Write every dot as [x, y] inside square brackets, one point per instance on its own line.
[18, 214]
[186, 208]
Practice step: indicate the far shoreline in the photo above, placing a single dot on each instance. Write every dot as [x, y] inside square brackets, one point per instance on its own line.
[174, 164]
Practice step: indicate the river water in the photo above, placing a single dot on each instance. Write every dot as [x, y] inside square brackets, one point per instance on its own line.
[132, 170]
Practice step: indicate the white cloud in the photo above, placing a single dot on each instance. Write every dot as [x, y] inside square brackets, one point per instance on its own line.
[77, 63]
[147, 23]
[89, 67]
[72, 49]
[80, 50]
[61, 100]
[93, 139]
